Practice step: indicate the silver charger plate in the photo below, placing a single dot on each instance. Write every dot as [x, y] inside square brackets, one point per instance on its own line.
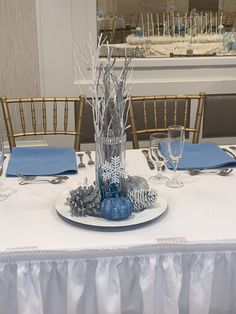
[158, 208]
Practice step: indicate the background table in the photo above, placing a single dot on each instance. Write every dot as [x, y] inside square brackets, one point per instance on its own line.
[184, 262]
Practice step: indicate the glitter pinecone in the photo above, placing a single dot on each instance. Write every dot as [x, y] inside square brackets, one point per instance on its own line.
[142, 199]
[84, 201]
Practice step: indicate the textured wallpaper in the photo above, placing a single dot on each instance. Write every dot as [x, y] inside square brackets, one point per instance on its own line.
[19, 63]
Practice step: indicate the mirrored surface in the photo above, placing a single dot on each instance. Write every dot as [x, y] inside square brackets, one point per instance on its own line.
[158, 28]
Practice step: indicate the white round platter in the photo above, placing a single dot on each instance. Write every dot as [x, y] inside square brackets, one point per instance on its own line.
[134, 219]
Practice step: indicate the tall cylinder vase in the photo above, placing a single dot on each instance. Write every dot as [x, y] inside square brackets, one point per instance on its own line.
[110, 165]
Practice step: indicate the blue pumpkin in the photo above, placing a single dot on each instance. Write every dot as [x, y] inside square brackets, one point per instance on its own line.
[116, 208]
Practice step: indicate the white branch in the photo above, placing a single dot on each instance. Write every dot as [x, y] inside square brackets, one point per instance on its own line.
[109, 90]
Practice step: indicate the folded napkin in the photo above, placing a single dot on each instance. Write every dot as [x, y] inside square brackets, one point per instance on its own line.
[204, 155]
[42, 161]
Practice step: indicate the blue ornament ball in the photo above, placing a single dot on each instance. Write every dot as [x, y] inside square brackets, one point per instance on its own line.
[233, 46]
[116, 208]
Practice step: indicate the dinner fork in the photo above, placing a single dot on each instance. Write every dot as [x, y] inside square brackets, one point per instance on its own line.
[81, 164]
[34, 178]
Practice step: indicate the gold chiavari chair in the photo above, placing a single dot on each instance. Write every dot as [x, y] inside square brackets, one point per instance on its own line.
[151, 114]
[26, 117]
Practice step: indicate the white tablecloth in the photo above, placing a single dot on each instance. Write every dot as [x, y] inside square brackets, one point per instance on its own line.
[184, 262]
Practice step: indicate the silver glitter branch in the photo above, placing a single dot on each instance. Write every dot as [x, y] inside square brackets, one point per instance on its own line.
[109, 90]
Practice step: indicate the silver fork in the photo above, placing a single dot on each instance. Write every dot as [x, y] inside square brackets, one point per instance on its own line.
[90, 162]
[81, 164]
[55, 180]
[221, 172]
[36, 178]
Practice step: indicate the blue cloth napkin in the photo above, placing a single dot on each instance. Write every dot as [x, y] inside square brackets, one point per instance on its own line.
[204, 155]
[42, 161]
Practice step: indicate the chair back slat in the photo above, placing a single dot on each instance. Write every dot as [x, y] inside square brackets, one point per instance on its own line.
[145, 115]
[44, 116]
[55, 115]
[33, 116]
[66, 115]
[186, 107]
[165, 113]
[22, 117]
[161, 111]
[175, 110]
[198, 119]
[155, 113]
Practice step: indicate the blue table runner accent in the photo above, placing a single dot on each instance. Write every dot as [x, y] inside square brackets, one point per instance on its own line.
[42, 161]
[204, 155]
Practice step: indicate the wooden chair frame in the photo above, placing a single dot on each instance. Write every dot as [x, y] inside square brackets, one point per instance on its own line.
[31, 103]
[138, 100]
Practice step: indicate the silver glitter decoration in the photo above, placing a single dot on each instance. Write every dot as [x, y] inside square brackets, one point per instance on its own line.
[133, 183]
[142, 199]
[84, 201]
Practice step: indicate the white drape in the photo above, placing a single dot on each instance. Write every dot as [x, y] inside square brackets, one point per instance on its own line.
[175, 279]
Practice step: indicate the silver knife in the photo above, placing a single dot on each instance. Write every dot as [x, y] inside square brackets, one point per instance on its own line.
[150, 164]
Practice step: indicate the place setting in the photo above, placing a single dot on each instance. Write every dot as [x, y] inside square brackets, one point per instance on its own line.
[117, 199]
[39, 165]
[170, 151]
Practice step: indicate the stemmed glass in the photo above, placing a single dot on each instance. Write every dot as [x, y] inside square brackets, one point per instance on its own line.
[158, 154]
[175, 144]
[4, 192]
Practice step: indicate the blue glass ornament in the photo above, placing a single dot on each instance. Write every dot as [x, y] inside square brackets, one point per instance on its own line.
[138, 32]
[116, 208]
[232, 46]
[182, 30]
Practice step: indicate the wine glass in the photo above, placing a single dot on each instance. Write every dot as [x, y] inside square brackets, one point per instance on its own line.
[158, 154]
[175, 145]
[4, 192]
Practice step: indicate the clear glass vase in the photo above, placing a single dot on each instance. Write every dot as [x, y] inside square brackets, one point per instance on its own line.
[110, 165]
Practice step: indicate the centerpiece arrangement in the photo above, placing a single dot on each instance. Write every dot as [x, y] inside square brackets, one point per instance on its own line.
[114, 195]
